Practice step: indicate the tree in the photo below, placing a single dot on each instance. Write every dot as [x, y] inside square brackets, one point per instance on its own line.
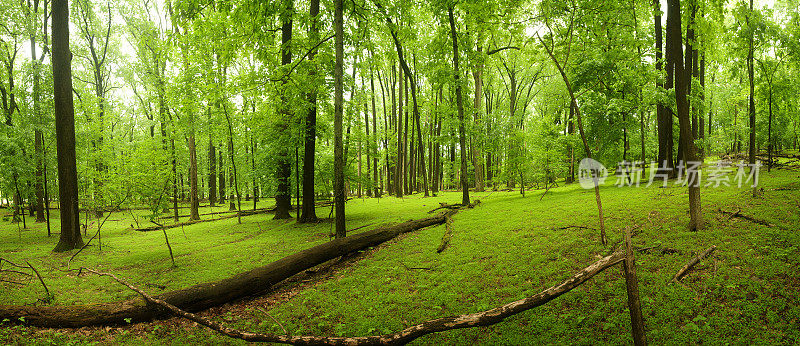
[460, 106]
[675, 57]
[65, 131]
[663, 114]
[309, 212]
[338, 112]
[283, 197]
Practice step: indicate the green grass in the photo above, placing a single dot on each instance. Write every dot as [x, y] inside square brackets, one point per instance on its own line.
[747, 292]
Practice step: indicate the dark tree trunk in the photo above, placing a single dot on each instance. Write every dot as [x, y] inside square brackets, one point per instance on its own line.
[663, 114]
[675, 55]
[193, 200]
[221, 178]
[65, 130]
[752, 102]
[477, 151]
[212, 172]
[338, 112]
[283, 198]
[701, 126]
[38, 136]
[460, 105]
[378, 189]
[309, 212]
[399, 178]
[39, 186]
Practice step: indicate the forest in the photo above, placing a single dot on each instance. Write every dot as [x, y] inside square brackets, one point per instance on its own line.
[388, 172]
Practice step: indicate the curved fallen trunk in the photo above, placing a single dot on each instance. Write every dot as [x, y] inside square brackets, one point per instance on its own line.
[483, 318]
[206, 295]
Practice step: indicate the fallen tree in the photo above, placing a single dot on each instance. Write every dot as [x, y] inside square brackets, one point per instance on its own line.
[689, 265]
[192, 222]
[483, 318]
[206, 295]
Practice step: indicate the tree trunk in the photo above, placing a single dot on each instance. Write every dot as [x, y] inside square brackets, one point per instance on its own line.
[338, 110]
[675, 54]
[194, 201]
[39, 152]
[460, 106]
[221, 178]
[65, 130]
[378, 189]
[477, 76]
[309, 212]
[663, 114]
[283, 198]
[752, 102]
[399, 174]
[212, 172]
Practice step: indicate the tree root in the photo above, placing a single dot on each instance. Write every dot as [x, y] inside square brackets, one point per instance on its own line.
[689, 265]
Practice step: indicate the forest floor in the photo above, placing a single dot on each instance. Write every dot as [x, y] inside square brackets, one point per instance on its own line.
[507, 248]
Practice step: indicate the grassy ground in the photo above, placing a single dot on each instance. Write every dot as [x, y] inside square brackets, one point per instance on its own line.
[507, 248]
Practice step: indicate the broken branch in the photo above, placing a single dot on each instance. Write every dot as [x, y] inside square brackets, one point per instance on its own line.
[691, 264]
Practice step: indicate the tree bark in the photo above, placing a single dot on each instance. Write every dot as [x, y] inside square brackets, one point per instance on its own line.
[663, 114]
[194, 201]
[283, 198]
[675, 54]
[309, 211]
[212, 172]
[65, 130]
[338, 112]
[460, 106]
[477, 151]
[752, 102]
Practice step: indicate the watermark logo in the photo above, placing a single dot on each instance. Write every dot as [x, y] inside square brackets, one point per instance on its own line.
[690, 173]
[591, 172]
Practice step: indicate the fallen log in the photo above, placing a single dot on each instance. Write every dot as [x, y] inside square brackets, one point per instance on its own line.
[689, 265]
[448, 233]
[206, 295]
[192, 222]
[218, 213]
[456, 206]
[484, 318]
[738, 214]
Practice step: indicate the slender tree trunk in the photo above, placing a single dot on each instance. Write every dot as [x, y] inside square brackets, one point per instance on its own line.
[38, 136]
[769, 131]
[309, 212]
[221, 178]
[212, 172]
[378, 190]
[701, 127]
[752, 102]
[283, 198]
[477, 76]
[65, 130]
[39, 152]
[460, 106]
[400, 156]
[338, 159]
[194, 201]
[663, 114]
[586, 148]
